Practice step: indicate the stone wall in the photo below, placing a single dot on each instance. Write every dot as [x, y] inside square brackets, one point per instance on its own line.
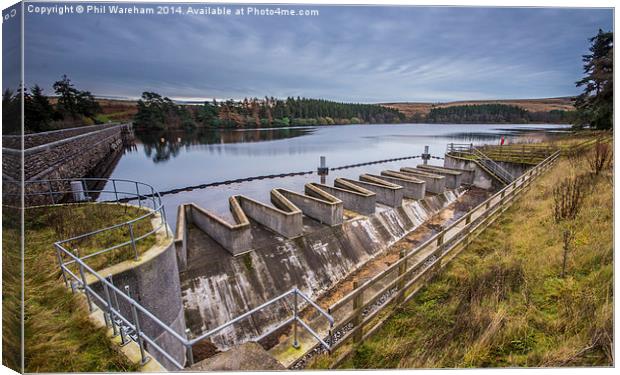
[71, 153]
[38, 139]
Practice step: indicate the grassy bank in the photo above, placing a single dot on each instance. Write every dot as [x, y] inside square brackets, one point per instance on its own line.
[59, 337]
[503, 301]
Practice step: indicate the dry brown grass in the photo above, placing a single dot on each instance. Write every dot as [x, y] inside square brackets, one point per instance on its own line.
[502, 302]
[532, 105]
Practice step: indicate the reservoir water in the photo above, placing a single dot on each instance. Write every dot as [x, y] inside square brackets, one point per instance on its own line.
[169, 160]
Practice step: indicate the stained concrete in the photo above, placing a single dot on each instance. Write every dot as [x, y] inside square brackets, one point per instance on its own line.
[236, 238]
[285, 218]
[467, 175]
[154, 282]
[435, 183]
[217, 287]
[246, 357]
[387, 193]
[481, 178]
[412, 187]
[319, 205]
[354, 199]
[453, 178]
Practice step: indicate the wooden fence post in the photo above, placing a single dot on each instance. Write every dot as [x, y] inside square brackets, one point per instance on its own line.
[358, 301]
[402, 268]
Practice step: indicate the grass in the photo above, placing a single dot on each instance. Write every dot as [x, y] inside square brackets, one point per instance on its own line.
[59, 336]
[63, 222]
[502, 302]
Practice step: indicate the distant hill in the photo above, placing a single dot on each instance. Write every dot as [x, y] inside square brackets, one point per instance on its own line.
[124, 110]
[411, 109]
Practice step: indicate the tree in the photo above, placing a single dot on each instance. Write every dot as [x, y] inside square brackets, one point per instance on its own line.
[595, 104]
[157, 112]
[67, 96]
[38, 111]
[74, 102]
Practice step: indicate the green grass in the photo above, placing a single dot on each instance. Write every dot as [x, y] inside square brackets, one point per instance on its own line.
[502, 301]
[63, 222]
[59, 337]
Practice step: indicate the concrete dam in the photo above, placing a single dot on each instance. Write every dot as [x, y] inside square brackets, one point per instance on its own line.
[325, 258]
[311, 240]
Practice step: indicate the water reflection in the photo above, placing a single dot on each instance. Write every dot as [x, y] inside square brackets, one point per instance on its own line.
[160, 146]
[171, 160]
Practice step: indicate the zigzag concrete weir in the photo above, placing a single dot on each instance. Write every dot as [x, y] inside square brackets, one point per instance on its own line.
[311, 239]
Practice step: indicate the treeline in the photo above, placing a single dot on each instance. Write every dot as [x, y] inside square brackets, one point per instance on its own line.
[157, 112]
[493, 113]
[73, 108]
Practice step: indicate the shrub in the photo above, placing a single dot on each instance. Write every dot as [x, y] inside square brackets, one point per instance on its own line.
[600, 158]
[568, 197]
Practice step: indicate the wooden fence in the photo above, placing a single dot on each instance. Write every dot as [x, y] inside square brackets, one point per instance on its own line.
[363, 311]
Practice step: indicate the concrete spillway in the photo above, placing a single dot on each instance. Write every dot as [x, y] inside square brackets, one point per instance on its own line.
[311, 240]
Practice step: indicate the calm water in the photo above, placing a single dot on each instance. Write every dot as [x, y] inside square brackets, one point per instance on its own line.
[174, 160]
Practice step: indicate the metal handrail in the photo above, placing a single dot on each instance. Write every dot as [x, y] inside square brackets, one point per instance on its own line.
[155, 198]
[487, 162]
[495, 168]
[111, 312]
[113, 315]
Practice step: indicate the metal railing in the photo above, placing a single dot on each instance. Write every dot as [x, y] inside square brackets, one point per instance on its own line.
[295, 320]
[61, 191]
[126, 318]
[487, 163]
[124, 314]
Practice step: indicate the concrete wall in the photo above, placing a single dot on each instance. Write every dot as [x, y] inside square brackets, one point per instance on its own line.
[285, 219]
[467, 175]
[481, 178]
[154, 282]
[453, 178]
[68, 153]
[180, 237]
[37, 139]
[412, 187]
[72, 157]
[353, 200]
[327, 209]
[236, 238]
[434, 183]
[387, 193]
[218, 290]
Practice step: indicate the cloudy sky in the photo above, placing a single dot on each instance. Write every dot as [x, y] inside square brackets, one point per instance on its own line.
[355, 54]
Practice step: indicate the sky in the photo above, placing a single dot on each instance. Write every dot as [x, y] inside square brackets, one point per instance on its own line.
[353, 54]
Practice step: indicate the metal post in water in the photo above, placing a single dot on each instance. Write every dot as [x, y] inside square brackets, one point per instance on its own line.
[426, 156]
[323, 170]
[295, 342]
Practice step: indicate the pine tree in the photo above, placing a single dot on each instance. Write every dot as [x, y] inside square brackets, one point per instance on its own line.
[595, 104]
